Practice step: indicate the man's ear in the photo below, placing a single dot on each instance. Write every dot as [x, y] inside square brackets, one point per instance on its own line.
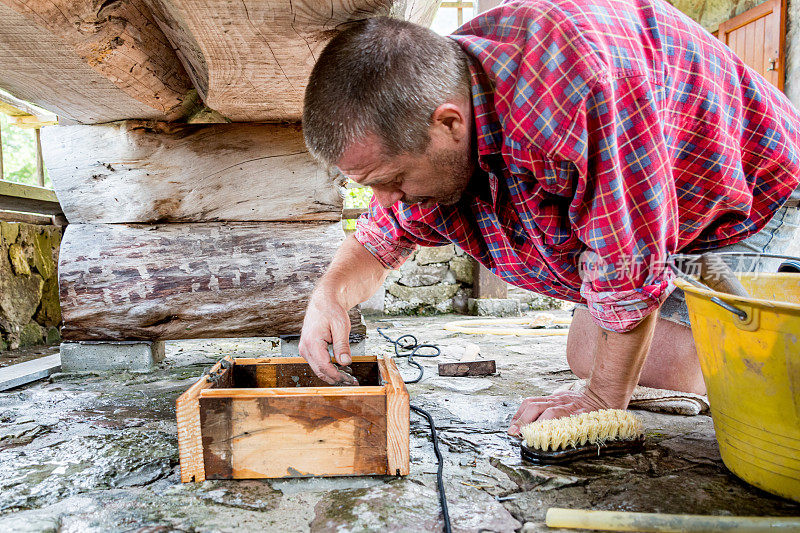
[451, 120]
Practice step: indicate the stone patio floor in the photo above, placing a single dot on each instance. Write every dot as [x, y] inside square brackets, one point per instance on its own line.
[99, 453]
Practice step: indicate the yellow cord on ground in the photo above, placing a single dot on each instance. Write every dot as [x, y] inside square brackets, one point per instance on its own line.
[478, 326]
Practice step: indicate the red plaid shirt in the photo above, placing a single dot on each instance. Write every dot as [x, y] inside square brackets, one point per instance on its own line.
[617, 129]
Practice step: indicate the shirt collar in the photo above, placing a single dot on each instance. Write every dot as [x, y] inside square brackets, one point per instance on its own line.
[488, 130]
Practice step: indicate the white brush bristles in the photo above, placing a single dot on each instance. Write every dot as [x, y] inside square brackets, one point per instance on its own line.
[596, 428]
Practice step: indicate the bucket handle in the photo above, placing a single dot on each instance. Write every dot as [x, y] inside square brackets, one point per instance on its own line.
[725, 305]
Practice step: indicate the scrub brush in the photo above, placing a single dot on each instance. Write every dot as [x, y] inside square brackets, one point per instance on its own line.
[561, 440]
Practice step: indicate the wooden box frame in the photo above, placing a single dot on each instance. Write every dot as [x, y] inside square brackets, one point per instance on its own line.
[273, 418]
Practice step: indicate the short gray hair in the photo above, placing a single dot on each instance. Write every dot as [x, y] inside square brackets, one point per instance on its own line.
[381, 76]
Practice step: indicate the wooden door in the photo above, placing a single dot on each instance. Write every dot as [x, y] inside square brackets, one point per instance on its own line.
[758, 36]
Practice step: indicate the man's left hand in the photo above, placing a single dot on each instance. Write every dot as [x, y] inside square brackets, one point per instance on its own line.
[618, 360]
[564, 403]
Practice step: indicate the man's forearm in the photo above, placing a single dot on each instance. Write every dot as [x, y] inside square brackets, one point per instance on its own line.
[618, 361]
[353, 275]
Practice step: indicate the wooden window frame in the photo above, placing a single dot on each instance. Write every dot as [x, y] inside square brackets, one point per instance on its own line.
[459, 5]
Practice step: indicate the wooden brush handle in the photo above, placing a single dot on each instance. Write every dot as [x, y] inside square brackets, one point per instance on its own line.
[716, 274]
[655, 522]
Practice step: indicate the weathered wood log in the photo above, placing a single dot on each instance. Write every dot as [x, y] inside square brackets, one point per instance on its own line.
[179, 281]
[250, 61]
[91, 61]
[28, 199]
[135, 171]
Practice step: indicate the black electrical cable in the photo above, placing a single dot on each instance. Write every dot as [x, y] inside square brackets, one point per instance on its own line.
[440, 459]
[412, 345]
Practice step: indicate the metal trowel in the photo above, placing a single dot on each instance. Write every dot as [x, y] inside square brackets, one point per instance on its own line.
[345, 372]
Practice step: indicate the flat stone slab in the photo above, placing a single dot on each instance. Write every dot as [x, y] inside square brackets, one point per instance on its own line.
[29, 371]
[99, 453]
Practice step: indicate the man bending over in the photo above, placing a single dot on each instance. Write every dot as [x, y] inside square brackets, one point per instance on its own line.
[569, 147]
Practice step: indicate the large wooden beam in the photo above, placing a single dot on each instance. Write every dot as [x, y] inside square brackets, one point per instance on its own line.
[179, 281]
[28, 199]
[156, 172]
[24, 114]
[91, 61]
[250, 61]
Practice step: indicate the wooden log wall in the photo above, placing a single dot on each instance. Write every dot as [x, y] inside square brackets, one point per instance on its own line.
[179, 230]
[146, 256]
[95, 62]
[250, 61]
[140, 172]
[91, 61]
[180, 281]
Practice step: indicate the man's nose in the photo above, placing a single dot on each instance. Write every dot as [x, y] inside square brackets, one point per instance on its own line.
[387, 198]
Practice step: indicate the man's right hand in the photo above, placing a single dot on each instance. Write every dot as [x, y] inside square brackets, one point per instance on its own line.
[353, 276]
[326, 322]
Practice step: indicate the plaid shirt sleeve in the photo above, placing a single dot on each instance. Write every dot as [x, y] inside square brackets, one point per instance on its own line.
[392, 234]
[625, 205]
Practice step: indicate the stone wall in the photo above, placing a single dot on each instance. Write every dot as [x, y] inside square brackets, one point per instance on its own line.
[432, 280]
[439, 280]
[792, 85]
[30, 313]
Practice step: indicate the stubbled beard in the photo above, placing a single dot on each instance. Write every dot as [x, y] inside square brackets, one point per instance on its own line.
[454, 169]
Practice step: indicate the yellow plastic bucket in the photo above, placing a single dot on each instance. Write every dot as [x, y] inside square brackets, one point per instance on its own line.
[751, 368]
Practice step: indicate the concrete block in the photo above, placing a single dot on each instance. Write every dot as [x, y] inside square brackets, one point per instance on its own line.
[375, 304]
[86, 356]
[494, 307]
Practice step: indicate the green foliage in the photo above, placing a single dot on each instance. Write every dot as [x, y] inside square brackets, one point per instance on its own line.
[357, 197]
[354, 198]
[19, 153]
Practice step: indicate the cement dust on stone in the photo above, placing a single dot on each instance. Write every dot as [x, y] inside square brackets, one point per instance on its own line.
[41, 476]
[460, 385]
[403, 506]
[325, 484]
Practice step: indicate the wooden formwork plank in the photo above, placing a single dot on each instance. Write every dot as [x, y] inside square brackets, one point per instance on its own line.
[294, 435]
[294, 374]
[230, 432]
[190, 440]
[397, 418]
